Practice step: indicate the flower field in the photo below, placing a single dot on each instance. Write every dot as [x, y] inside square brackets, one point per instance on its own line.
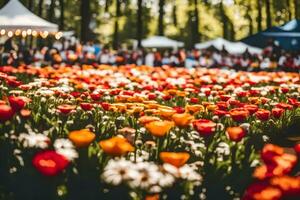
[104, 132]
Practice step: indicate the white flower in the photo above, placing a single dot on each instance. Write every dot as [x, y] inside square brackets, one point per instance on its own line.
[119, 171]
[148, 175]
[187, 172]
[66, 148]
[34, 140]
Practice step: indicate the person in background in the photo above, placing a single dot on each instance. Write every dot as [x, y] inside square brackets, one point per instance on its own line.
[149, 59]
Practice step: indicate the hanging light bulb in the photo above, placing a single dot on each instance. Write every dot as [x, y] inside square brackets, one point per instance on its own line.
[34, 33]
[2, 32]
[10, 34]
[29, 31]
[24, 33]
[17, 32]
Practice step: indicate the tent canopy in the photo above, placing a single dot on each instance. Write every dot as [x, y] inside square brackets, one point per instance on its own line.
[161, 42]
[287, 36]
[231, 47]
[15, 16]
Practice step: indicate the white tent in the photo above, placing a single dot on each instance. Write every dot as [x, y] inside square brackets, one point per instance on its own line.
[231, 47]
[161, 42]
[15, 16]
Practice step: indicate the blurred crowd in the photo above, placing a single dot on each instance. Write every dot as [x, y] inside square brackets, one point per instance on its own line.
[71, 52]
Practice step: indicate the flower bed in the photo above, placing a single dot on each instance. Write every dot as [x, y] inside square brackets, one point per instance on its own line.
[104, 132]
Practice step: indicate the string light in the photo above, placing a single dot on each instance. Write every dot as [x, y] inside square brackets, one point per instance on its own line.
[2, 32]
[29, 31]
[58, 35]
[34, 33]
[24, 33]
[17, 32]
[10, 34]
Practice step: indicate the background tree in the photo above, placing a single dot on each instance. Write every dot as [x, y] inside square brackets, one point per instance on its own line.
[195, 23]
[259, 15]
[116, 26]
[296, 6]
[30, 5]
[85, 20]
[62, 15]
[174, 13]
[161, 17]
[40, 8]
[139, 24]
[268, 13]
[51, 11]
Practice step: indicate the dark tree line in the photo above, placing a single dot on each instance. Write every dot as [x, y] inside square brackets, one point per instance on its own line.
[82, 12]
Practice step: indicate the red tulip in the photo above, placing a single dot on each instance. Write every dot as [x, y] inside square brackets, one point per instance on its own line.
[151, 96]
[194, 100]
[17, 103]
[222, 105]
[66, 108]
[95, 97]
[284, 90]
[220, 113]
[277, 112]
[179, 110]
[297, 148]
[86, 106]
[239, 114]
[204, 127]
[167, 97]
[105, 105]
[49, 163]
[284, 106]
[6, 113]
[294, 102]
[263, 114]
[251, 108]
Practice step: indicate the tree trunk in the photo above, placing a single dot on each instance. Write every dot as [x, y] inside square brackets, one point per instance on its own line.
[195, 27]
[259, 16]
[174, 14]
[107, 3]
[30, 5]
[40, 8]
[62, 15]
[51, 14]
[224, 21]
[268, 13]
[85, 20]
[288, 8]
[161, 17]
[116, 29]
[232, 31]
[139, 30]
[248, 16]
[296, 4]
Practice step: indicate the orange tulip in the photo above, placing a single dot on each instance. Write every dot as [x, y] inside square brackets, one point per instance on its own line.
[152, 197]
[116, 146]
[166, 112]
[183, 119]
[175, 159]
[146, 119]
[194, 108]
[236, 133]
[82, 138]
[159, 128]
